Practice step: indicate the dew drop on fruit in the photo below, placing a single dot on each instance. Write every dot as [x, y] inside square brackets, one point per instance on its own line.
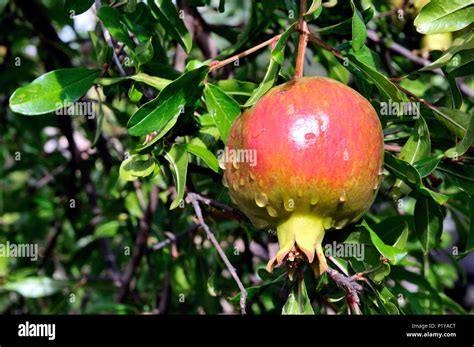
[314, 200]
[222, 163]
[224, 182]
[260, 183]
[300, 193]
[289, 204]
[342, 198]
[251, 176]
[272, 212]
[261, 199]
[242, 182]
[341, 224]
[327, 222]
[235, 164]
[235, 185]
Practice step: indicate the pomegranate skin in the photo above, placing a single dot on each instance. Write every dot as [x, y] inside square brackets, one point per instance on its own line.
[317, 150]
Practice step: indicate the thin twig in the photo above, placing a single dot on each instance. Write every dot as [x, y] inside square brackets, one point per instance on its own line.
[110, 43]
[194, 200]
[392, 148]
[219, 64]
[397, 48]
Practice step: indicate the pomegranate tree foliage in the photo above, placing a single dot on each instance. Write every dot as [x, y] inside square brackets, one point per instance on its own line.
[100, 192]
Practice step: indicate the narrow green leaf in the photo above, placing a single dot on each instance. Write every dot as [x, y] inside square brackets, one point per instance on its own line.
[427, 165]
[455, 121]
[359, 32]
[110, 17]
[428, 223]
[411, 177]
[223, 109]
[154, 115]
[178, 159]
[393, 254]
[384, 85]
[466, 142]
[345, 27]
[52, 90]
[144, 51]
[171, 21]
[292, 306]
[136, 166]
[203, 153]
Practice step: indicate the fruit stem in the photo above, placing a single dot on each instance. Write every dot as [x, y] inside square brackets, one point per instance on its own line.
[303, 41]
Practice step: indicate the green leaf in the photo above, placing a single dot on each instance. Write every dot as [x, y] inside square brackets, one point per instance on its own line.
[107, 229]
[461, 43]
[254, 291]
[383, 84]
[170, 19]
[417, 147]
[440, 16]
[53, 90]
[411, 177]
[110, 17]
[203, 153]
[276, 60]
[223, 109]
[153, 81]
[314, 11]
[466, 142]
[34, 287]
[359, 32]
[428, 223]
[462, 59]
[455, 120]
[236, 87]
[427, 165]
[144, 51]
[136, 166]
[345, 27]
[393, 254]
[156, 114]
[293, 307]
[178, 159]
[76, 7]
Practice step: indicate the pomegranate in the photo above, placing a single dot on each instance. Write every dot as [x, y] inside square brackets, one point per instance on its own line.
[317, 150]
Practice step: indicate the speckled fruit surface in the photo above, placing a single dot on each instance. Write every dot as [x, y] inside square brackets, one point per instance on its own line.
[306, 158]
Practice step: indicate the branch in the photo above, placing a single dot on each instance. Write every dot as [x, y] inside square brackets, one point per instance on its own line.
[397, 48]
[194, 200]
[348, 284]
[303, 41]
[139, 247]
[110, 43]
[219, 64]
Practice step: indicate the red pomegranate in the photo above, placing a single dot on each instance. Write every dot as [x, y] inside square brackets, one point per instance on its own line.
[306, 158]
